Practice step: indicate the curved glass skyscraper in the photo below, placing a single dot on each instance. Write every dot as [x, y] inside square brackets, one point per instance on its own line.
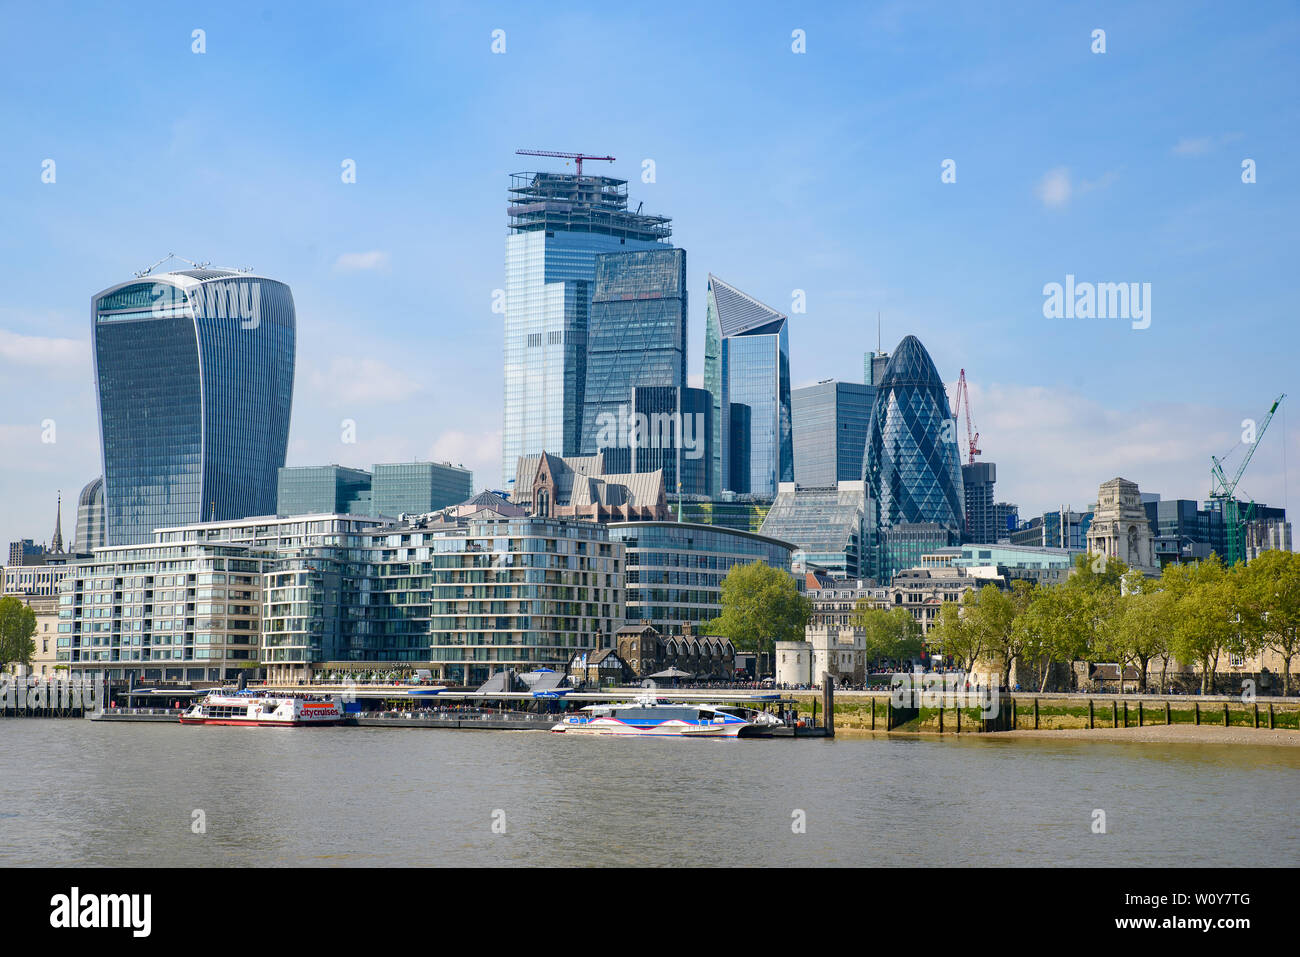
[194, 374]
[911, 464]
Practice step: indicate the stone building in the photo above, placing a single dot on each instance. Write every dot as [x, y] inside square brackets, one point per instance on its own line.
[552, 486]
[646, 652]
[1120, 528]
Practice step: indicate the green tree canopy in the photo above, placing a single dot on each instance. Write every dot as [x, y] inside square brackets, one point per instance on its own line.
[1271, 583]
[761, 605]
[890, 635]
[17, 625]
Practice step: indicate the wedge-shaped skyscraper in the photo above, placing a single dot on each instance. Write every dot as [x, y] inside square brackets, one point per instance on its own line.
[194, 373]
[747, 363]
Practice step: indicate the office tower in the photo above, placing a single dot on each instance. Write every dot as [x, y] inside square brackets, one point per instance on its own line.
[194, 371]
[25, 552]
[90, 517]
[823, 523]
[981, 513]
[911, 463]
[323, 490]
[1006, 517]
[873, 367]
[673, 434]
[414, 488]
[747, 362]
[829, 421]
[558, 224]
[636, 335]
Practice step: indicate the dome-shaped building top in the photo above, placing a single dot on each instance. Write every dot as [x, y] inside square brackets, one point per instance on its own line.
[911, 463]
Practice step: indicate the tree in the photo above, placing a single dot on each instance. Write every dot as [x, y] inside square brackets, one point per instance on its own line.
[1272, 589]
[761, 605]
[991, 615]
[1139, 630]
[892, 635]
[954, 634]
[17, 625]
[1211, 616]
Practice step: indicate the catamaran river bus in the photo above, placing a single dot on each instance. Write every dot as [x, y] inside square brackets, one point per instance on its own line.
[652, 717]
[265, 711]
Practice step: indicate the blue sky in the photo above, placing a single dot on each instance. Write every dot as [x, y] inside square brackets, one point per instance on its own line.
[817, 171]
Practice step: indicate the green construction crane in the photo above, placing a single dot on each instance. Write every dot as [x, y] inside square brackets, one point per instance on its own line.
[1225, 492]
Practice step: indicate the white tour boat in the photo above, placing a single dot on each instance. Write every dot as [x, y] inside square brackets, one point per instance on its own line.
[651, 717]
[281, 711]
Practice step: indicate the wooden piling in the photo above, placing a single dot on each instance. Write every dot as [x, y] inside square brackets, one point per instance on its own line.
[1257, 714]
[873, 712]
[1013, 714]
[1139, 714]
[1225, 714]
[1035, 714]
[941, 718]
[1197, 717]
[959, 720]
[1114, 714]
[1270, 716]
[1126, 712]
[828, 704]
[1169, 718]
[1091, 721]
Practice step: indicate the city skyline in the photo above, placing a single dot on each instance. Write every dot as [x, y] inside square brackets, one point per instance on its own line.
[395, 327]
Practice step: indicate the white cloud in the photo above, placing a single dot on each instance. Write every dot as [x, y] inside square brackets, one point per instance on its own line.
[357, 262]
[1053, 447]
[478, 451]
[362, 382]
[1192, 146]
[42, 350]
[1054, 188]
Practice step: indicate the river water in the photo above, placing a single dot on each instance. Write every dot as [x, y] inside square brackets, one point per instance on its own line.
[75, 792]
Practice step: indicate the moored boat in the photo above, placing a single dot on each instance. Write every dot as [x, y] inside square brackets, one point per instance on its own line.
[284, 711]
[651, 717]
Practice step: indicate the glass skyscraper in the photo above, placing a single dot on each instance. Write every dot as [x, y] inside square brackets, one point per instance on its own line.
[636, 335]
[90, 517]
[911, 466]
[747, 362]
[414, 488]
[559, 223]
[829, 422]
[194, 371]
[323, 490]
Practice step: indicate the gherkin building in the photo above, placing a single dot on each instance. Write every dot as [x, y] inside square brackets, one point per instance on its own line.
[911, 464]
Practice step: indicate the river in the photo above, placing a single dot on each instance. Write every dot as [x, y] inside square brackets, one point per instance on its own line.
[76, 792]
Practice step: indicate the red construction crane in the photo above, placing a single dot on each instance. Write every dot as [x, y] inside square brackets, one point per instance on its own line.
[576, 157]
[963, 401]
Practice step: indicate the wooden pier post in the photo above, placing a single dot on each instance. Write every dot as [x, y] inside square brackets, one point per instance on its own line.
[1270, 716]
[889, 715]
[1225, 714]
[959, 720]
[873, 712]
[1169, 718]
[828, 704]
[1257, 714]
[1091, 722]
[941, 718]
[1013, 714]
[1139, 714]
[1035, 714]
[1114, 714]
[1197, 718]
[1126, 712]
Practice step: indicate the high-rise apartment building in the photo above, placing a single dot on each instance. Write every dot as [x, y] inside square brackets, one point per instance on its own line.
[829, 422]
[559, 223]
[978, 480]
[747, 363]
[194, 374]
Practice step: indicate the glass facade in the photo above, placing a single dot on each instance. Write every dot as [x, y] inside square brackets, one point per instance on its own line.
[825, 525]
[829, 421]
[677, 439]
[911, 465]
[414, 488]
[90, 517]
[636, 335]
[747, 362]
[559, 224]
[323, 490]
[675, 570]
[194, 371]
